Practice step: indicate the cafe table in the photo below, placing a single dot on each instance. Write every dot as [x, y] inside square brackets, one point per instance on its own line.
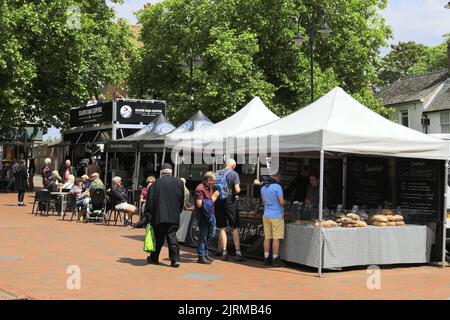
[63, 196]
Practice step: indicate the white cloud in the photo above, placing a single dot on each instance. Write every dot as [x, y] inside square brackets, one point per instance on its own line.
[423, 21]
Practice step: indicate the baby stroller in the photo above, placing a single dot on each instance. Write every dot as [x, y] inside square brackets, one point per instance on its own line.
[97, 206]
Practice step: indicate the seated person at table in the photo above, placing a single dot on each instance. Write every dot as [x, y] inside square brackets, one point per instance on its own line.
[96, 183]
[86, 182]
[69, 182]
[144, 192]
[313, 191]
[120, 199]
[54, 184]
[77, 189]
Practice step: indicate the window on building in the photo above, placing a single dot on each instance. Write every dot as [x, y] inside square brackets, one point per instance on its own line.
[445, 122]
[404, 118]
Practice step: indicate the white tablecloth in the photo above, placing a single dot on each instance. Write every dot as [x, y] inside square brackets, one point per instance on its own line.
[344, 247]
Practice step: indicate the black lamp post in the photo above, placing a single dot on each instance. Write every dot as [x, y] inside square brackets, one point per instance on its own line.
[318, 13]
[193, 61]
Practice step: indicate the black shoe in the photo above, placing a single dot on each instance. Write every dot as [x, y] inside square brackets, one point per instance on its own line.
[239, 257]
[175, 264]
[224, 257]
[277, 263]
[140, 224]
[209, 258]
[152, 261]
[267, 262]
[203, 260]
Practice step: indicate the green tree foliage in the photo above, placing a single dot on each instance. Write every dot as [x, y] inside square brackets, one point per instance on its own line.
[55, 54]
[400, 61]
[435, 58]
[247, 50]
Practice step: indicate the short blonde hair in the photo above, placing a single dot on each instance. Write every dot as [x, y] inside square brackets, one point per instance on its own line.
[151, 179]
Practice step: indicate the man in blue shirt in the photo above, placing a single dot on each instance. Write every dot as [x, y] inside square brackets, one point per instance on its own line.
[273, 200]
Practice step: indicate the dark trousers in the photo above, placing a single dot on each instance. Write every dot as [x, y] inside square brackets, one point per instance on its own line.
[166, 231]
[207, 230]
[21, 196]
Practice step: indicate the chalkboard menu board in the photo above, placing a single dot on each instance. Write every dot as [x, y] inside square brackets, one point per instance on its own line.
[419, 187]
[367, 182]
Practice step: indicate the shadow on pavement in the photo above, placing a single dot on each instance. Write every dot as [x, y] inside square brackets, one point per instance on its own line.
[133, 262]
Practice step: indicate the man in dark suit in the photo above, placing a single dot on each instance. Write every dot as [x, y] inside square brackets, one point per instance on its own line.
[164, 205]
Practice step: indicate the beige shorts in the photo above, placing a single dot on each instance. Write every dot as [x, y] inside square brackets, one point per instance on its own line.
[273, 228]
[125, 206]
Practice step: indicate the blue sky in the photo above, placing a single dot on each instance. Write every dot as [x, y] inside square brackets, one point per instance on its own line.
[423, 21]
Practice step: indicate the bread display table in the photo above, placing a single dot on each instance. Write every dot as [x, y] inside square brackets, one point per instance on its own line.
[345, 247]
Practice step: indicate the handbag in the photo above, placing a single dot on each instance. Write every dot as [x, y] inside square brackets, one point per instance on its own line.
[149, 243]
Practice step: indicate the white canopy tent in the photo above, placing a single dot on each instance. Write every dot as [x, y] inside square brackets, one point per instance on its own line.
[338, 123]
[252, 115]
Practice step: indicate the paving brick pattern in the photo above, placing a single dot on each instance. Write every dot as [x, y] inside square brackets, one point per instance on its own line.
[36, 252]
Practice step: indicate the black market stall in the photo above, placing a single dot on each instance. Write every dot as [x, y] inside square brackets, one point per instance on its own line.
[145, 140]
[395, 174]
[186, 144]
[93, 126]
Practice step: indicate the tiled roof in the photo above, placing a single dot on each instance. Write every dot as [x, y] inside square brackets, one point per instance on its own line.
[442, 99]
[411, 88]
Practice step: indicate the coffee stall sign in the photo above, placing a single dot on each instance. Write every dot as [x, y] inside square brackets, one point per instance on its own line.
[418, 187]
[139, 111]
[95, 114]
[368, 181]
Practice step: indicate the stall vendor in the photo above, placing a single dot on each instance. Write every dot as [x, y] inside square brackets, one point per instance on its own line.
[313, 191]
[296, 190]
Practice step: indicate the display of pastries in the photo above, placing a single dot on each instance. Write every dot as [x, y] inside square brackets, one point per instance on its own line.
[379, 224]
[379, 218]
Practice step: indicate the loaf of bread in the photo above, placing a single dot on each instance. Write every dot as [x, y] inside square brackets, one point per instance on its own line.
[353, 216]
[346, 220]
[398, 218]
[391, 224]
[361, 224]
[329, 224]
[400, 223]
[380, 224]
[390, 218]
[379, 218]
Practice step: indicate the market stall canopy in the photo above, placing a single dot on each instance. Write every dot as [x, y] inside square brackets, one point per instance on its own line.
[338, 123]
[197, 122]
[252, 115]
[154, 130]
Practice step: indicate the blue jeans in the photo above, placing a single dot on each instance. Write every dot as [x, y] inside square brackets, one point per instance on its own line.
[207, 231]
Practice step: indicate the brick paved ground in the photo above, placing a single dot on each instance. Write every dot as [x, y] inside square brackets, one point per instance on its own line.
[35, 253]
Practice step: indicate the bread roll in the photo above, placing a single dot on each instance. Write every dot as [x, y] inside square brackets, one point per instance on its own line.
[346, 220]
[391, 224]
[398, 218]
[353, 216]
[390, 218]
[380, 224]
[400, 223]
[361, 224]
[379, 218]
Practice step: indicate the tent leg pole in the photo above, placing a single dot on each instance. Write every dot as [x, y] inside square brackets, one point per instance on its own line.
[106, 167]
[322, 164]
[176, 165]
[155, 159]
[163, 156]
[138, 167]
[344, 183]
[444, 227]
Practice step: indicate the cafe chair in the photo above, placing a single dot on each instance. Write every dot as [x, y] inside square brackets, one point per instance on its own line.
[47, 201]
[37, 194]
[97, 206]
[117, 214]
[71, 206]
